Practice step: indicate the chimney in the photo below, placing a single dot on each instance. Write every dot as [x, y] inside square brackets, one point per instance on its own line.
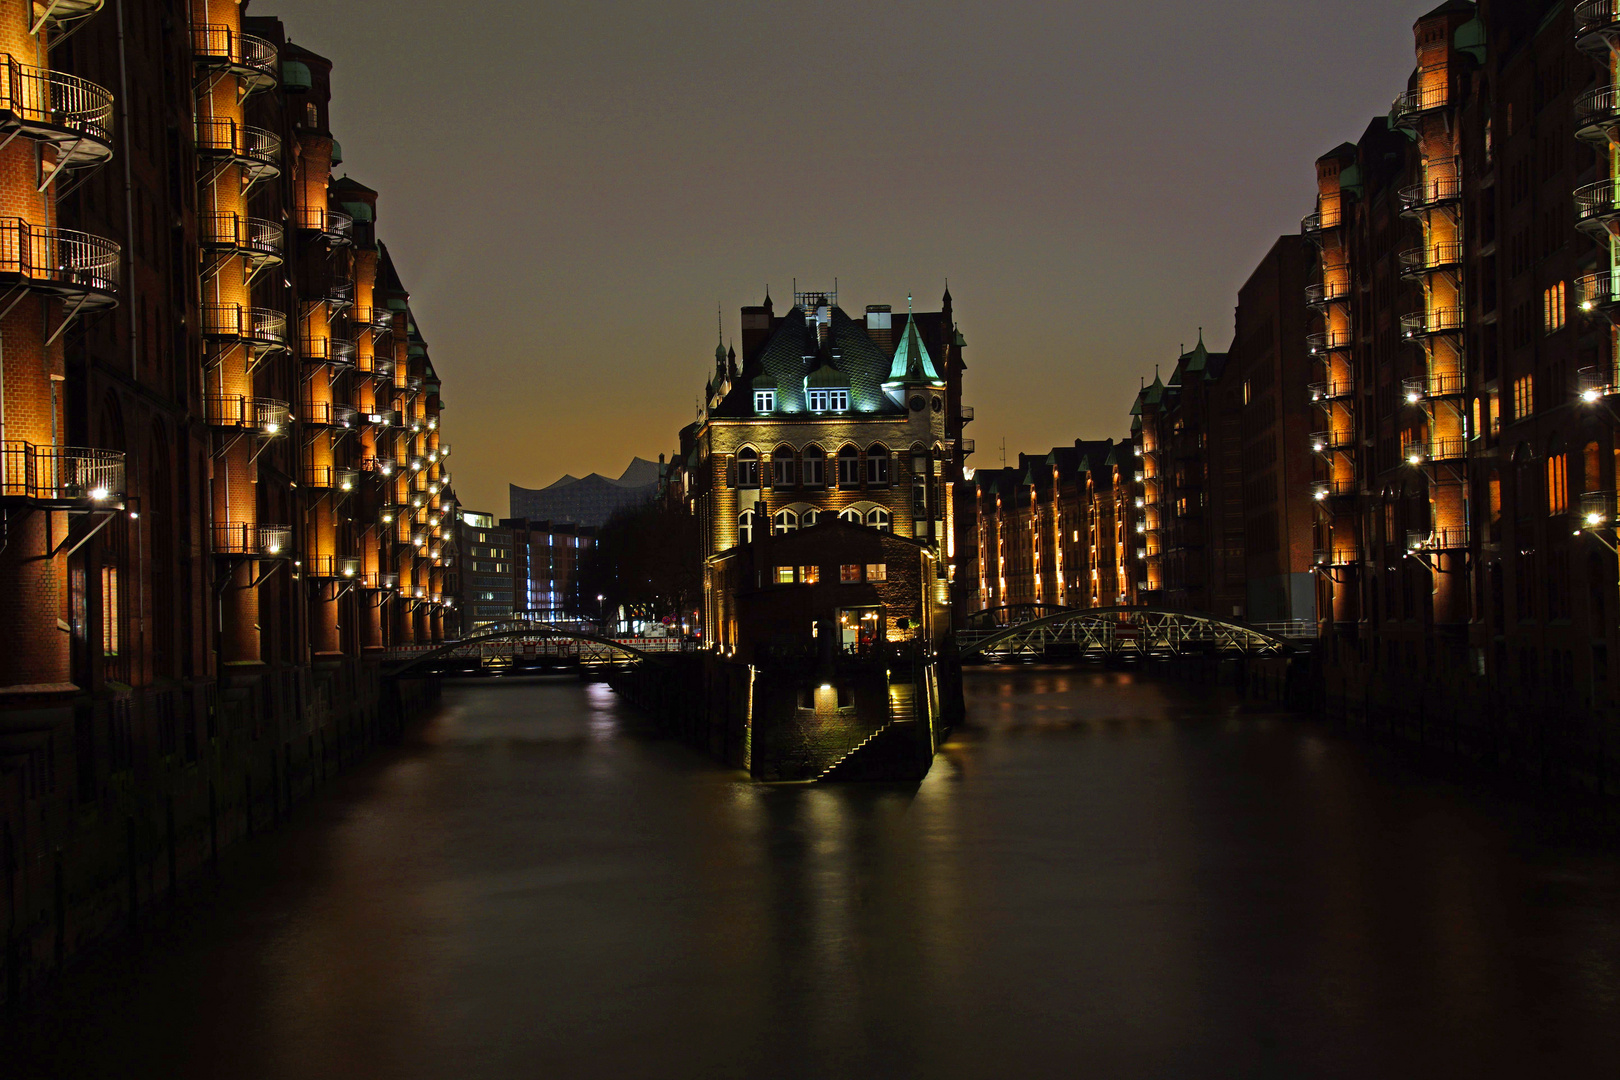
[880, 327]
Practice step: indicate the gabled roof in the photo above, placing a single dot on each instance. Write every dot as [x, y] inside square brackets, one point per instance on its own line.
[793, 353]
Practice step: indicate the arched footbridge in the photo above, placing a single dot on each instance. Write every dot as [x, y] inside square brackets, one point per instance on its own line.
[1036, 631]
[524, 639]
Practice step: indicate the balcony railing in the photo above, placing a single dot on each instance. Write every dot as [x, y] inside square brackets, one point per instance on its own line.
[267, 416]
[1314, 224]
[967, 413]
[1440, 384]
[328, 414]
[1423, 260]
[1595, 292]
[1596, 21]
[1444, 538]
[61, 474]
[262, 327]
[1435, 191]
[71, 113]
[1599, 509]
[1322, 294]
[1328, 341]
[261, 242]
[1596, 113]
[966, 445]
[252, 540]
[336, 567]
[1323, 441]
[1448, 320]
[1437, 449]
[331, 478]
[1337, 487]
[1332, 390]
[251, 59]
[335, 227]
[1344, 555]
[255, 150]
[1596, 205]
[335, 351]
[1412, 104]
[63, 262]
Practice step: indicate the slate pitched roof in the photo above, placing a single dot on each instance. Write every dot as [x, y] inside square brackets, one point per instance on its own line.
[793, 352]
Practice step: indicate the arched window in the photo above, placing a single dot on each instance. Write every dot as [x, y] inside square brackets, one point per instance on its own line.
[877, 465]
[878, 519]
[786, 521]
[849, 467]
[745, 527]
[851, 516]
[809, 518]
[782, 467]
[815, 466]
[748, 468]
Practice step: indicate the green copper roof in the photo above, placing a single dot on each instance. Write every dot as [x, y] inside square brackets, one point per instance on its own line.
[764, 381]
[911, 360]
[1198, 358]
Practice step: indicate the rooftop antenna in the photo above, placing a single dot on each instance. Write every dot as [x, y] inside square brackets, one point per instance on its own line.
[719, 324]
[1004, 451]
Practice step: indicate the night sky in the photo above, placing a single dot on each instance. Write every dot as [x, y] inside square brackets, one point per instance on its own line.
[569, 189]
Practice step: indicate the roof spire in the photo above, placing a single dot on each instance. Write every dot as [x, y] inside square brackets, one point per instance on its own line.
[908, 304]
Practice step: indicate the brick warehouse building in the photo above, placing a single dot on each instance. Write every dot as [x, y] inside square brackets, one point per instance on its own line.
[223, 483]
[1466, 369]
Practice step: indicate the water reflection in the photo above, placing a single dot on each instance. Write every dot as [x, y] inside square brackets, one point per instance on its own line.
[1102, 875]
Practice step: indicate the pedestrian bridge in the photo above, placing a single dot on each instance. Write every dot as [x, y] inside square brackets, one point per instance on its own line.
[1042, 631]
[525, 641]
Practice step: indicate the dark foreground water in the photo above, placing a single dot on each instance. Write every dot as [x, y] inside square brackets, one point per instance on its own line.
[1101, 877]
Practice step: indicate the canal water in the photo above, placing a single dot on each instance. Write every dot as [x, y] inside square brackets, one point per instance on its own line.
[1103, 876]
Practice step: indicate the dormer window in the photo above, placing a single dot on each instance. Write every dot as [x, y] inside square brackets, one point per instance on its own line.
[764, 401]
[829, 400]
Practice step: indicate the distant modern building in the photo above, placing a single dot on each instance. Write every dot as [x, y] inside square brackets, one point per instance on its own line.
[588, 500]
[519, 567]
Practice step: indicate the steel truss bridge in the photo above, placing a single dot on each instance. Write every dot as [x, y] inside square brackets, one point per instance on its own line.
[526, 639]
[1035, 631]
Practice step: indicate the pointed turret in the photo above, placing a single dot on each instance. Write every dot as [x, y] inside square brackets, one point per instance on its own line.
[912, 366]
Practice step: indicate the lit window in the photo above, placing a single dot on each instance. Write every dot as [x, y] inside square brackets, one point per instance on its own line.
[1557, 483]
[810, 575]
[1553, 308]
[1524, 397]
[764, 400]
[850, 573]
[877, 571]
[109, 611]
[784, 575]
[745, 527]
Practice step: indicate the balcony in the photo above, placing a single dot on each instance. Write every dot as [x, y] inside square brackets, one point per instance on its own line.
[333, 567]
[1324, 441]
[1409, 107]
[1596, 292]
[252, 60]
[966, 446]
[255, 151]
[1420, 388]
[332, 351]
[250, 540]
[1592, 383]
[266, 416]
[1445, 538]
[1434, 321]
[1599, 509]
[61, 14]
[1433, 192]
[1319, 296]
[1315, 225]
[75, 266]
[1327, 341]
[1597, 113]
[1339, 487]
[382, 369]
[1431, 259]
[333, 226]
[966, 412]
[381, 581]
[1332, 390]
[1597, 207]
[64, 111]
[262, 328]
[331, 478]
[61, 476]
[328, 414]
[1597, 23]
[1437, 450]
[1341, 556]
[262, 243]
